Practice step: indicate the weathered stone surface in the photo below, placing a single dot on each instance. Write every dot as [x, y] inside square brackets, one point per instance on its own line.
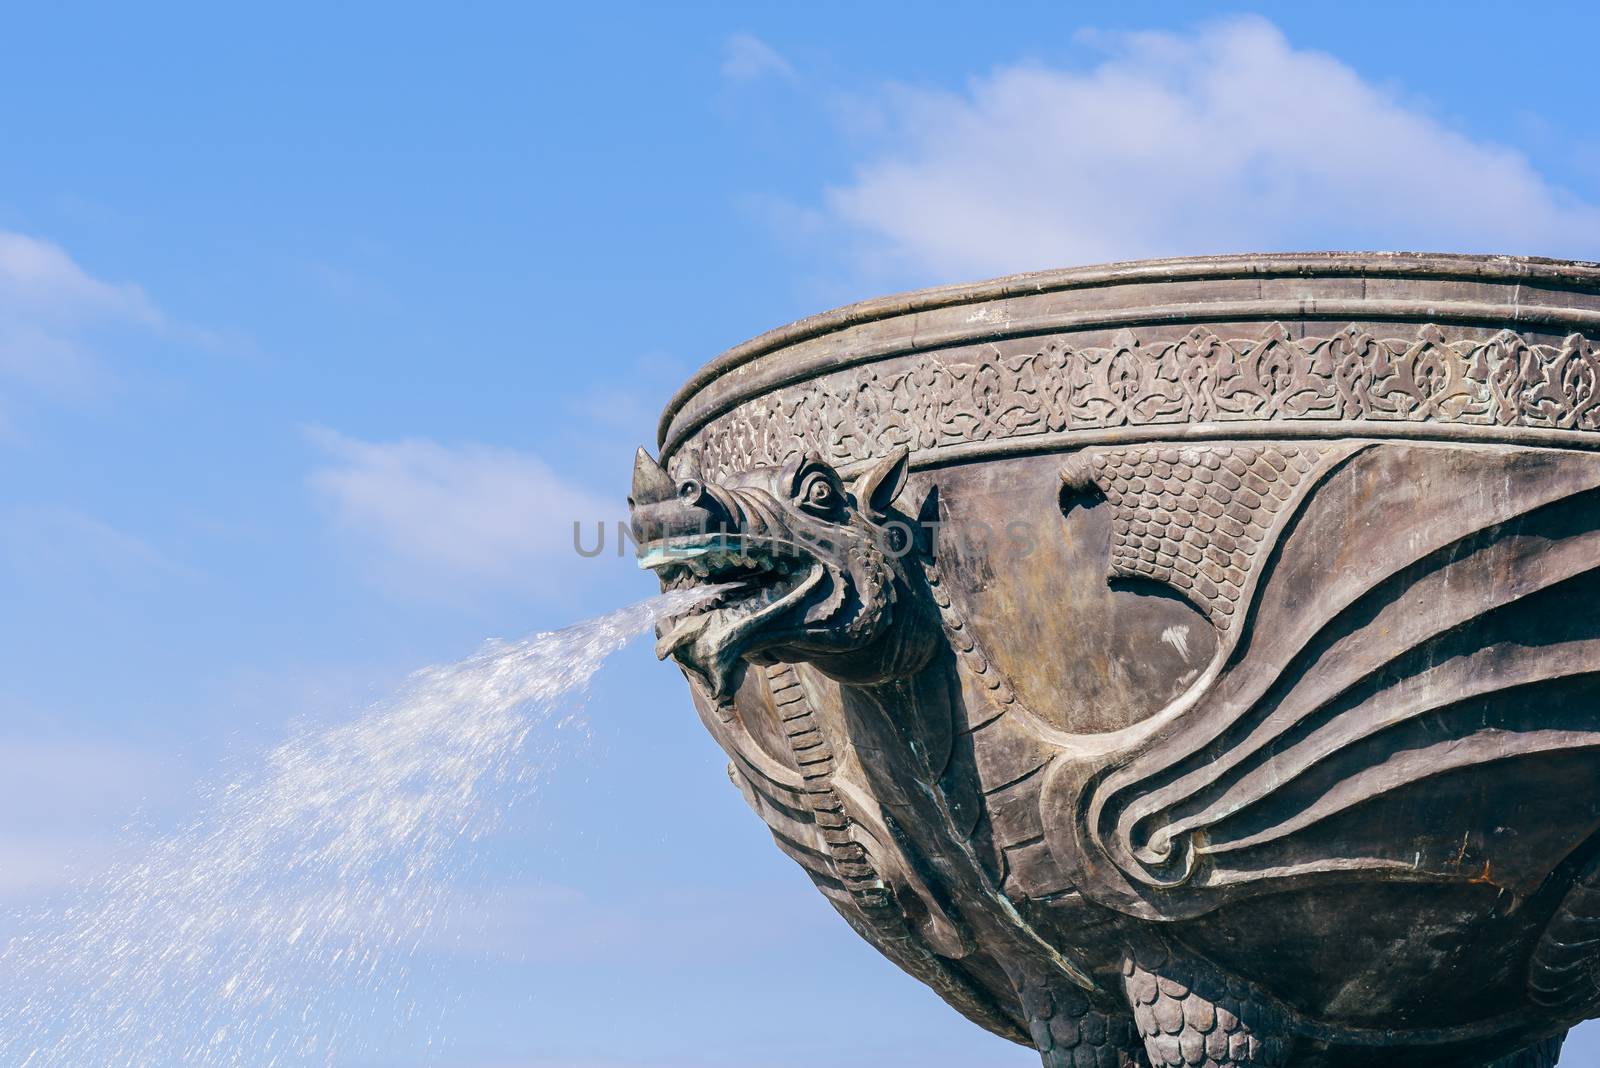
[1179, 663]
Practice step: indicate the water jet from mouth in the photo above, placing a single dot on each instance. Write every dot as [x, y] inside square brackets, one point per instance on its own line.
[283, 922]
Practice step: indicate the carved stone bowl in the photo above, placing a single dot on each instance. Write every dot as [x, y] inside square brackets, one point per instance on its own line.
[1193, 661]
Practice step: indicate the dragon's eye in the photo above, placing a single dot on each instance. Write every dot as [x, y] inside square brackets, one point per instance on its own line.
[818, 495]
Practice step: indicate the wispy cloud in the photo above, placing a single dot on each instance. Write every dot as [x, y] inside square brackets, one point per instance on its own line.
[471, 512]
[61, 545]
[628, 399]
[568, 925]
[33, 866]
[43, 277]
[1228, 138]
[50, 308]
[76, 795]
[747, 58]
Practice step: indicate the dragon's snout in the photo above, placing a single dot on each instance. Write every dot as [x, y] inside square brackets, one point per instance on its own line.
[662, 507]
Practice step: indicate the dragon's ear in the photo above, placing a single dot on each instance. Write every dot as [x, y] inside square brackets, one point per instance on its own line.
[882, 483]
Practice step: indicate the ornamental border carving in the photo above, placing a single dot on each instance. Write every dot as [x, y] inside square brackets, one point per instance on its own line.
[929, 403]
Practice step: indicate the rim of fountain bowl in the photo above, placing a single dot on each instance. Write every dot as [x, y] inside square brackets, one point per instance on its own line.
[1578, 275]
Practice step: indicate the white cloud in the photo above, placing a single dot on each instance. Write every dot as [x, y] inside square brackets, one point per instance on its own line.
[1225, 139]
[33, 866]
[42, 276]
[56, 545]
[49, 306]
[62, 782]
[63, 802]
[471, 512]
[626, 400]
[747, 58]
[563, 925]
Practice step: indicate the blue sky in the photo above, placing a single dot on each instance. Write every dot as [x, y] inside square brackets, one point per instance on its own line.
[318, 325]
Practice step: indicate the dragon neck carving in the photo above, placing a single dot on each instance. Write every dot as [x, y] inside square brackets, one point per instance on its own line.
[834, 579]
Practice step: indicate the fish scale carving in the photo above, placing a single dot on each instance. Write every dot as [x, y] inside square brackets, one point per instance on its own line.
[1191, 1016]
[1193, 517]
[1071, 1033]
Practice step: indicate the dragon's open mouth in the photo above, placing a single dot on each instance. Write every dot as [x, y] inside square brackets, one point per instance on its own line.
[715, 558]
[765, 582]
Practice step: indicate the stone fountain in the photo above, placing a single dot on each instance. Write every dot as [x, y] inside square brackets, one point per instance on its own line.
[1191, 662]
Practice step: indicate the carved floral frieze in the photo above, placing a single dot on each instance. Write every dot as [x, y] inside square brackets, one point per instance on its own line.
[930, 402]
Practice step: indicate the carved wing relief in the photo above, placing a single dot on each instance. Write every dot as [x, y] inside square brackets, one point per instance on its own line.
[1396, 637]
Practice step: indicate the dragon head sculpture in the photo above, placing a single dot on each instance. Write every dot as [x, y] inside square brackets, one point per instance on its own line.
[816, 571]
